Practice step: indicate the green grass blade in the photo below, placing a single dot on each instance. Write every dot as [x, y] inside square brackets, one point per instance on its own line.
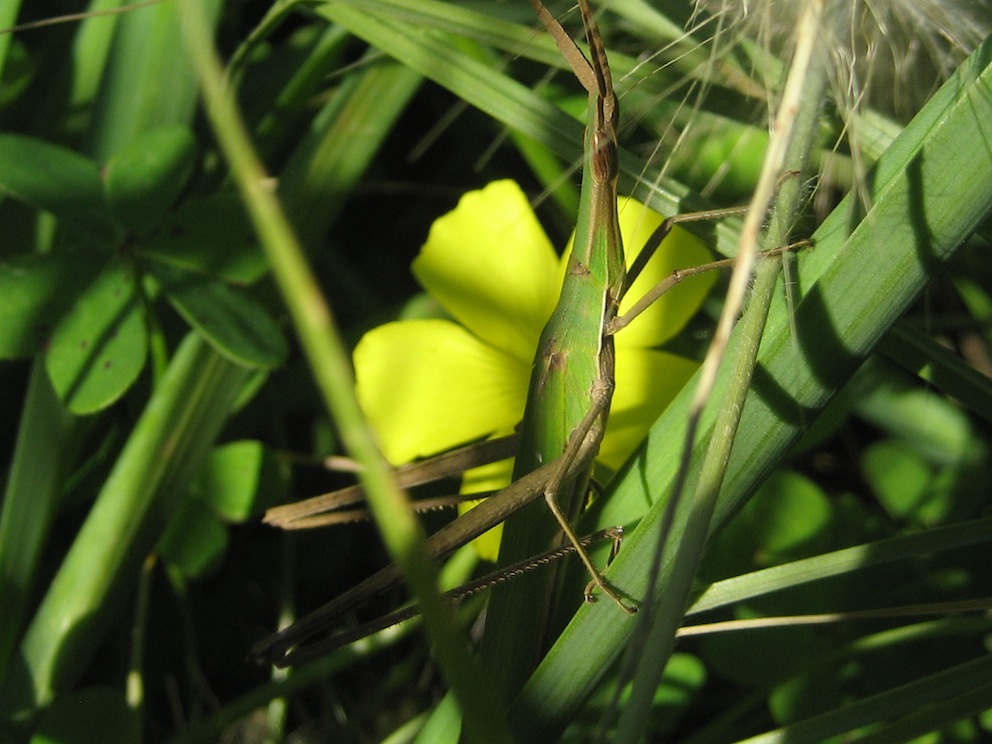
[90, 52]
[331, 367]
[145, 82]
[30, 500]
[796, 128]
[160, 457]
[435, 56]
[946, 371]
[967, 686]
[839, 562]
[864, 271]
[438, 58]
[341, 143]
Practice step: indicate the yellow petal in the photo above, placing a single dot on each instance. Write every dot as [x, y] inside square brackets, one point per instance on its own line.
[679, 250]
[429, 385]
[491, 265]
[491, 477]
[647, 381]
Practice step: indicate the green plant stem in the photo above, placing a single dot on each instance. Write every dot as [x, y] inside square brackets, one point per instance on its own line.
[660, 640]
[329, 363]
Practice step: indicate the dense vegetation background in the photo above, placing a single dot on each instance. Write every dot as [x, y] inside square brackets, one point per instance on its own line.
[157, 399]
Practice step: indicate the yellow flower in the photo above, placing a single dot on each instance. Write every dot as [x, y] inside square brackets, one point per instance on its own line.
[430, 385]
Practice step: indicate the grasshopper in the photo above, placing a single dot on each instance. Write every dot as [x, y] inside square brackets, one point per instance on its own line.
[573, 377]
[568, 401]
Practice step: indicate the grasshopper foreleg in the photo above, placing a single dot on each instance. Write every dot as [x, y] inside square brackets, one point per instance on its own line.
[583, 444]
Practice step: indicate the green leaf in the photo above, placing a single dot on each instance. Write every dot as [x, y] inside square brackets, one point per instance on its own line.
[98, 349]
[936, 428]
[55, 180]
[92, 715]
[788, 513]
[146, 176]
[240, 480]
[897, 476]
[35, 292]
[234, 324]
[209, 236]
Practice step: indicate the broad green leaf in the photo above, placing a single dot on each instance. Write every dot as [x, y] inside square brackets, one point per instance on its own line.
[233, 323]
[788, 514]
[240, 480]
[210, 236]
[99, 348]
[937, 428]
[91, 715]
[146, 176]
[898, 477]
[35, 292]
[54, 179]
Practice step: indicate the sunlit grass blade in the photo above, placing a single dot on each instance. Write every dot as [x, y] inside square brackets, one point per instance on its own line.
[838, 563]
[331, 368]
[930, 190]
